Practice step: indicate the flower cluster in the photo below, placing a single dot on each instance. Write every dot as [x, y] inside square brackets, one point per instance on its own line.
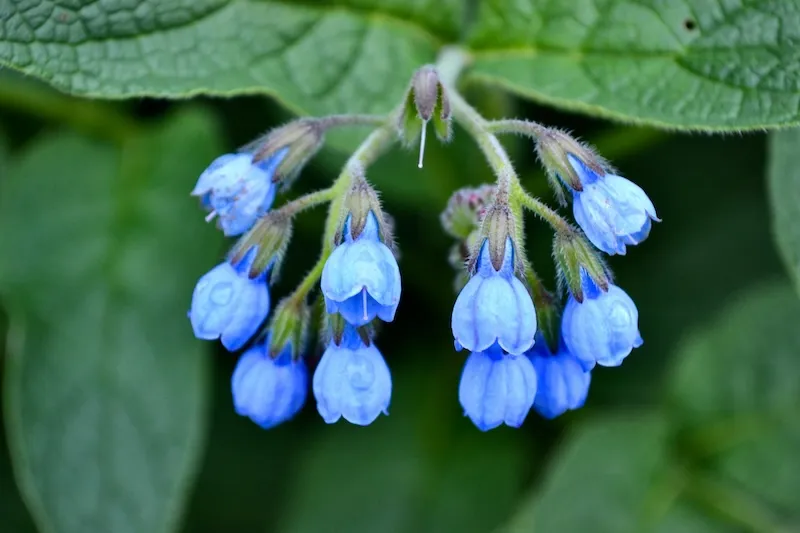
[360, 283]
[515, 366]
[529, 348]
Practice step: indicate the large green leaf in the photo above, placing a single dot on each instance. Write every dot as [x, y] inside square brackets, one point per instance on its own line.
[613, 476]
[722, 459]
[321, 57]
[105, 388]
[696, 64]
[784, 191]
[737, 389]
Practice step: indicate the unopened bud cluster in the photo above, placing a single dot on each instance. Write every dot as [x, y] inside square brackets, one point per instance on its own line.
[529, 348]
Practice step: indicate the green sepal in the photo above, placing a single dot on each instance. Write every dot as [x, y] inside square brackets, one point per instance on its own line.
[573, 254]
[269, 237]
[289, 327]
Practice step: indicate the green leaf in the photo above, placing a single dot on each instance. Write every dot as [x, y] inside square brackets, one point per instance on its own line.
[410, 472]
[694, 64]
[738, 387]
[784, 190]
[105, 388]
[612, 476]
[325, 57]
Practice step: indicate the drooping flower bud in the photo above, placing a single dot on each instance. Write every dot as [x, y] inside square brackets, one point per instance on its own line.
[426, 100]
[352, 380]
[229, 305]
[300, 138]
[580, 268]
[497, 388]
[465, 210]
[264, 245]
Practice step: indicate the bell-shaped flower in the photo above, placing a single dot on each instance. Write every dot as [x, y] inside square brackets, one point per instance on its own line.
[361, 279]
[601, 330]
[228, 305]
[497, 388]
[611, 210]
[563, 384]
[352, 381]
[494, 307]
[238, 191]
[269, 390]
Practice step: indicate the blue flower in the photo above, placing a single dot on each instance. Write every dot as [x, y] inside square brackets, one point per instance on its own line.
[494, 307]
[563, 383]
[238, 191]
[352, 381]
[269, 391]
[602, 330]
[228, 305]
[612, 210]
[361, 279]
[497, 388]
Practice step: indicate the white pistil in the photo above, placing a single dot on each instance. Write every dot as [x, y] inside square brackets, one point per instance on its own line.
[211, 216]
[364, 293]
[422, 143]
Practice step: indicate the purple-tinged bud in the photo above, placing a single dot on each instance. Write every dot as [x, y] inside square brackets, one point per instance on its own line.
[580, 267]
[264, 245]
[465, 210]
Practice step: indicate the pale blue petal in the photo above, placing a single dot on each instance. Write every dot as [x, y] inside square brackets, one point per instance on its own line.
[603, 330]
[496, 389]
[268, 391]
[352, 383]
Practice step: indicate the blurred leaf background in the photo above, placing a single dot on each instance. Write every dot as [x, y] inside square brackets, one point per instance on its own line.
[116, 420]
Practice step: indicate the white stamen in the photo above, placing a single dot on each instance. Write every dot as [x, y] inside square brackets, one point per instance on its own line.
[422, 143]
[211, 216]
[364, 292]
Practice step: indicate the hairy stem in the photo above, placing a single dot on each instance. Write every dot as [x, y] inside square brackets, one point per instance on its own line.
[307, 201]
[333, 121]
[516, 126]
[509, 191]
[373, 146]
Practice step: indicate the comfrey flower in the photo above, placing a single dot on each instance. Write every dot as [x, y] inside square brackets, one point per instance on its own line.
[613, 211]
[361, 279]
[269, 390]
[238, 191]
[352, 381]
[228, 305]
[497, 388]
[563, 384]
[601, 330]
[494, 307]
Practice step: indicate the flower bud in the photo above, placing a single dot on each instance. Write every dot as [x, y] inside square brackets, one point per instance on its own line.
[289, 328]
[269, 239]
[426, 100]
[465, 210]
[302, 138]
[579, 266]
